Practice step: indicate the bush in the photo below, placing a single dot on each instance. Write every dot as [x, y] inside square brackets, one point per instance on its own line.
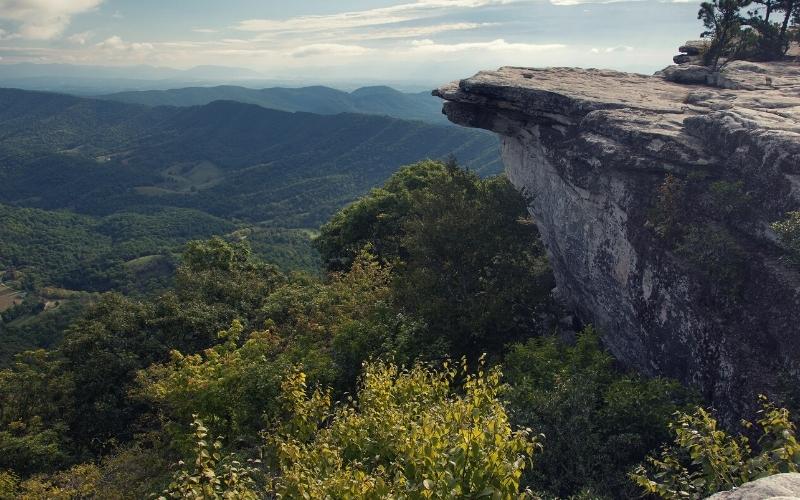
[212, 476]
[788, 231]
[706, 459]
[409, 433]
[597, 421]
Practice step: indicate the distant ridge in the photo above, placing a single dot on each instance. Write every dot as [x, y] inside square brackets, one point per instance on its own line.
[140, 72]
[228, 159]
[377, 100]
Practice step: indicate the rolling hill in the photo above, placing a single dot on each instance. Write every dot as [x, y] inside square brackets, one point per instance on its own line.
[378, 100]
[234, 165]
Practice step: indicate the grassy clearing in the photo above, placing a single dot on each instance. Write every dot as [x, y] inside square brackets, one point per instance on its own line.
[8, 297]
[185, 178]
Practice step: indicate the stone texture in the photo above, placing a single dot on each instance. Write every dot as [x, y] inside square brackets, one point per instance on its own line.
[777, 487]
[690, 52]
[589, 149]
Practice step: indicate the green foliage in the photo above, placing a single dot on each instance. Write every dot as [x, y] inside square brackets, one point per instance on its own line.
[597, 422]
[754, 37]
[468, 260]
[716, 254]
[408, 434]
[88, 253]
[723, 22]
[130, 473]
[33, 329]
[35, 404]
[79, 395]
[705, 459]
[212, 476]
[788, 230]
[436, 263]
[331, 328]
[698, 216]
[8, 485]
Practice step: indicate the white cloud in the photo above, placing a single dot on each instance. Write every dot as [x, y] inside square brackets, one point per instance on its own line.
[205, 30]
[330, 50]
[5, 35]
[115, 44]
[416, 31]
[568, 3]
[117, 15]
[609, 50]
[43, 19]
[80, 38]
[358, 19]
[499, 45]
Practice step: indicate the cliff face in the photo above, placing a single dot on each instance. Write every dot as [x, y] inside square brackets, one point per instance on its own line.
[597, 152]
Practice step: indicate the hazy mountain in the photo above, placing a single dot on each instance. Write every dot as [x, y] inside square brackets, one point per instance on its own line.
[377, 100]
[93, 80]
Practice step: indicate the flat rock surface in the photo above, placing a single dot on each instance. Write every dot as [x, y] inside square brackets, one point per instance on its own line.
[777, 487]
[769, 91]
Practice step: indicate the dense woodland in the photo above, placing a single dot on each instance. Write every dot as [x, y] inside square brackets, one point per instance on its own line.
[428, 362]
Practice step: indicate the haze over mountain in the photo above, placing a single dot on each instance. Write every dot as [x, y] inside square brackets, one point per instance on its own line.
[377, 100]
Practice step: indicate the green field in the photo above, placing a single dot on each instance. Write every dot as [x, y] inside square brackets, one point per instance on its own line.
[8, 297]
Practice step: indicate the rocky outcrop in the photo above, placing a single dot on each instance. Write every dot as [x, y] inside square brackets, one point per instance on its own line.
[777, 487]
[691, 52]
[591, 149]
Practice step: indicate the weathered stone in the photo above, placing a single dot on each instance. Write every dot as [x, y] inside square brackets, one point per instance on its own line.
[694, 47]
[777, 487]
[589, 148]
[687, 59]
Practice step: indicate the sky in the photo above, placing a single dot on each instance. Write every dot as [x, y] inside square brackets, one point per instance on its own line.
[403, 40]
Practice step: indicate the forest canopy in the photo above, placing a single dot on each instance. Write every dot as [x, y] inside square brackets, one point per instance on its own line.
[382, 379]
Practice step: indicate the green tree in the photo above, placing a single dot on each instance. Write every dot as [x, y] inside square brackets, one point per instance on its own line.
[331, 328]
[723, 22]
[36, 405]
[467, 258]
[597, 421]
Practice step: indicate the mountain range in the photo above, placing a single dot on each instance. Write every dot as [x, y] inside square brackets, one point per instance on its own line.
[231, 164]
[375, 100]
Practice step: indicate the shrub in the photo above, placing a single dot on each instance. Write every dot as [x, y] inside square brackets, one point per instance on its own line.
[788, 231]
[409, 433]
[706, 459]
[212, 475]
[597, 421]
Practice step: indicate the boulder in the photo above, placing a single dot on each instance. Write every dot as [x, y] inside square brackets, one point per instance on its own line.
[777, 487]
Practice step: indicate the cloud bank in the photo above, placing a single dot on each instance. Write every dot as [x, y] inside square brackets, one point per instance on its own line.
[43, 19]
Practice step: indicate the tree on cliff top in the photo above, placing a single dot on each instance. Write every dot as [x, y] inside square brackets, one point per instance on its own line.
[723, 22]
[754, 37]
